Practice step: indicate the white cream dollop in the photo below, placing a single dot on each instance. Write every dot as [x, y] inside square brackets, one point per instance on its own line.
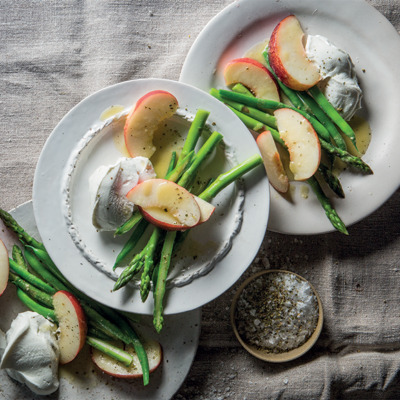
[109, 186]
[31, 353]
[339, 84]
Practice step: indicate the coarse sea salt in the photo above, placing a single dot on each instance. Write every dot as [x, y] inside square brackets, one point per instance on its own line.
[277, 312]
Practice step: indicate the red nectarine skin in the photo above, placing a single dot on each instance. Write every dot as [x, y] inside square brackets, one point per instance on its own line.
[152, 93]
[161, 224]
[275, 62]
[78, 308]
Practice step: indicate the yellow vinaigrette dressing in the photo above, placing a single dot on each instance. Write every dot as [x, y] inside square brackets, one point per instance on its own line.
[111, 112]
[363, 134]
[256, 52]
[167, 139]
[118, 136]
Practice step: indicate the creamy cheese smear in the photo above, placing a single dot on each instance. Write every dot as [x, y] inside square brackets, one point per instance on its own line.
[30, 354]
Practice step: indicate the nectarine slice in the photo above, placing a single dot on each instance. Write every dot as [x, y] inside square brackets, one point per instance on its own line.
[288, 57]
[4, 267]
[206, 209]
[166, 204]
[141, 123]
[272, 162]
[72, 325]
[302, 143]
[254, 76]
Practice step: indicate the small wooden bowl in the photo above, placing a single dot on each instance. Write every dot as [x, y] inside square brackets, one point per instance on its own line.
[265, 354]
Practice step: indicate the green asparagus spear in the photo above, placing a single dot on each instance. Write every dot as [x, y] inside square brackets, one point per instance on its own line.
[324, 119]
[18, 257]
[205, 150]
[327, 206]
[131, 243]
[103, 324]
[348, 158]
[32, 291]
[240, 88]
[172, 163]
[32, 279]
[159, 290]
[126, 334]
[194, 133]
[129, 224]
[331, 111]
[345, 156]
[251, 112]
[252, 123]
[249, 121]
[40, 269]
[114, 324]
[48, 313]
[332, 180]
[25, 238]
[148, 265]
[181, 166]
[132, 269]
[45, 259]
[94, 332]
[226, 178]
[110, 350]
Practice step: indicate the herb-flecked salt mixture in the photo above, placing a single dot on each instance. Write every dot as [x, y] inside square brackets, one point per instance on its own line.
[277, 311]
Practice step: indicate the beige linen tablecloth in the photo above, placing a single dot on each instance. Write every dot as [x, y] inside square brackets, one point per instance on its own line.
[53, 54]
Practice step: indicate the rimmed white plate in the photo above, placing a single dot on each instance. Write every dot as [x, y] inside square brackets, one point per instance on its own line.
[54, 168]
[374, 46]
[179, 340]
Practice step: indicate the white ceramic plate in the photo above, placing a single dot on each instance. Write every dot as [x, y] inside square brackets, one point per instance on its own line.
[374, 46]
[87, 258]
[80, 379]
